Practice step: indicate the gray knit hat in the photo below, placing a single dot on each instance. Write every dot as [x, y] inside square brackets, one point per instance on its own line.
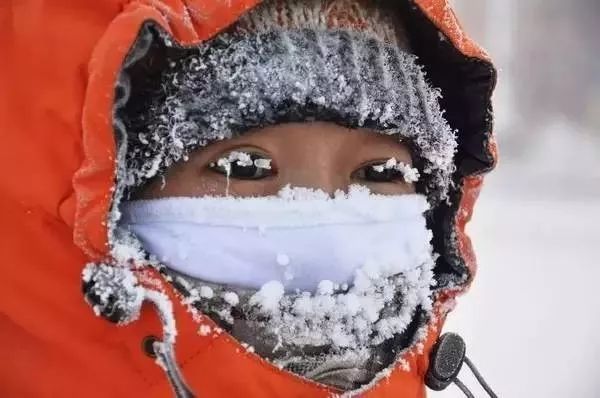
[293, 61]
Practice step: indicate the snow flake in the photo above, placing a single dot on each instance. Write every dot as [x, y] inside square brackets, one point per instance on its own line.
[409, 173]
[231, 298]
[204, 330]
[206, 292]
[283, 259]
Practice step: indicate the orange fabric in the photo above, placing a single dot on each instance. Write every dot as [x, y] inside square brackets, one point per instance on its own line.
[59, 64]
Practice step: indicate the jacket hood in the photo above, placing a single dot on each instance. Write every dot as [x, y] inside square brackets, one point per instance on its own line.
[452, 62]
[68, 123]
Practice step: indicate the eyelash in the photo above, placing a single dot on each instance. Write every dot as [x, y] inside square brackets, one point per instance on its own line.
[243, 165]
[388, 171]
[256, 166]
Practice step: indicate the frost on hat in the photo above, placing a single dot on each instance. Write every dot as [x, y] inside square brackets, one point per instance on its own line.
[337, 62]
[356, 15]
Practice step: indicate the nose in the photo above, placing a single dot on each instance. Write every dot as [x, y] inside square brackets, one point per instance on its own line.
[316, 169]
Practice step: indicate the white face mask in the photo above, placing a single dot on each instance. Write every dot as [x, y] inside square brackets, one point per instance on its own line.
[299, 237]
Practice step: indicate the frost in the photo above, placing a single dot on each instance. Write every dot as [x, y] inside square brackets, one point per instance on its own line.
[248, 347]
[263, 163]
[361, 318]
[231, 298]
[409, 173]
[113, 290]
[206, 292]
[154, 167]
[237, 82]
[269, 296]
[233, 84]
[355, 229]
[288, 275]
[204, 330]
[350, 318]
[165, 312]
[240, 158]
[291, 207]
[225, 163]
[126, 248]
[290, 194]
[325, 287]
[282, 259]
[376, 306]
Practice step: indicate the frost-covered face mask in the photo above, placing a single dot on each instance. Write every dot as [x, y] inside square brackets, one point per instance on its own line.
[331, 288]
[301, 239]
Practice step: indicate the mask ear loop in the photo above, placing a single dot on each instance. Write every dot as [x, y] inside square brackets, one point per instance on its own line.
[446, 360]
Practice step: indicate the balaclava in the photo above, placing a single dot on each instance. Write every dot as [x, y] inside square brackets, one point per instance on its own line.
[342, 61]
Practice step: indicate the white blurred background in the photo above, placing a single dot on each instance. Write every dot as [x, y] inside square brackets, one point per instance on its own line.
[532, 318]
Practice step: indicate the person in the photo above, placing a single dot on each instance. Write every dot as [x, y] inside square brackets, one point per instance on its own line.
[266, 199]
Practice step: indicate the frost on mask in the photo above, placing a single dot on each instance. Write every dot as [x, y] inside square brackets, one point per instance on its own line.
[372, 309]
[353, 323]
[240, 81]
[365, 321]
[234, 83]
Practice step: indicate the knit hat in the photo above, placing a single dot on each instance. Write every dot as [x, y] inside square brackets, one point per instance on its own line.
[355, 15]
[339, 61]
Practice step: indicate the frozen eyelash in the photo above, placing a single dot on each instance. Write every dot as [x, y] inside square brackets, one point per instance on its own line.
[409, 173]
[243, 159]
[263, 163]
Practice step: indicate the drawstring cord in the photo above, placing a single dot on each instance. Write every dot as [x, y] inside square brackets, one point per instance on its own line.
[165, 357]
[114, 293]
[446, 360]
[165, 349]
[480, 378]
[463, 388]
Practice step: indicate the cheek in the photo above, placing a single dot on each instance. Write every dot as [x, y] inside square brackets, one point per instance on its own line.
[197, 184]
[208, 187]
[264, 187]
[183, 182]
[206, 183]
[214, 184]
[392, 189]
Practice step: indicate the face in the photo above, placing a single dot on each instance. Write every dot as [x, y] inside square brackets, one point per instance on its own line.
[314, 155]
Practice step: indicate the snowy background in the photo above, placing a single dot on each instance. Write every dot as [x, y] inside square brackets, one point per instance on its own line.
[532, 319]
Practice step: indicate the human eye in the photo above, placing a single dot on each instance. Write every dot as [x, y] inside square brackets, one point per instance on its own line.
[389, 170]
[243, 165]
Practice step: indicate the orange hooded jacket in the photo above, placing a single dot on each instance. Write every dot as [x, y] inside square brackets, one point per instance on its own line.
[59, 64]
